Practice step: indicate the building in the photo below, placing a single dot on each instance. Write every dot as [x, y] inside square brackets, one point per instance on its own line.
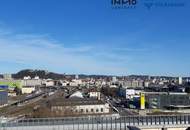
[94, 94]
[129, 93]
[31, 82]
[7, 76]
[114, 79]
[27, 77]
[27, 90]
[79, 106]
[49, 83]
[75, 82]
[76, 77]
[133, 83]
[180, 80]
[164, 100]
[3, 95]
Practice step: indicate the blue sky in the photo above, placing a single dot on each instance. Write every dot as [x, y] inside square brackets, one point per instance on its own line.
[90, 37]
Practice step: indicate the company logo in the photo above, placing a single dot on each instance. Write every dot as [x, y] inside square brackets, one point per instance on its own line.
[121, 4]
[163, 3]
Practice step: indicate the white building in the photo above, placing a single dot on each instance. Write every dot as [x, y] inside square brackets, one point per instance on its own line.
[80, 106]
[114, 79]
[26, 77]
[64, 83]
[129, 93]
[146, 83]
[31, 82]
[180, 80]
[75, 82]
[94, 94]
[113, 86]
[36, 77]
[76, 77]
[27, 90]
[49, 83]
[7, 76]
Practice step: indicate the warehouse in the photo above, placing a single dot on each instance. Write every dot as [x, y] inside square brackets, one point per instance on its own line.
[79, 106]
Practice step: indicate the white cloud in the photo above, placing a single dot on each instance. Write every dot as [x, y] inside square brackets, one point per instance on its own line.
[40, 50]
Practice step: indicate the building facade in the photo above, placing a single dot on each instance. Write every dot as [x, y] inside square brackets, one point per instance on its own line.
[3, 95]
[166, 100]
[79, 107]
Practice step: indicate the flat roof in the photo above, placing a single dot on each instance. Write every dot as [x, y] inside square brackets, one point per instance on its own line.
[75, 102]
[167, 93]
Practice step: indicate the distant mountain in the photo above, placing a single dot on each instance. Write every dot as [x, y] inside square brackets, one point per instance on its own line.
[41, 73]
[45, 75]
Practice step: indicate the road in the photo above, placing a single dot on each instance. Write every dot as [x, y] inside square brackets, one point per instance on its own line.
[121, 110]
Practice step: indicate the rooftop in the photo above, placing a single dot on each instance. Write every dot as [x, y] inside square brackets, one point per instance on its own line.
[75, 102]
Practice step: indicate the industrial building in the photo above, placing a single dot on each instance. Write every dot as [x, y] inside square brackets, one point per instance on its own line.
[3, 95]
[82, 106]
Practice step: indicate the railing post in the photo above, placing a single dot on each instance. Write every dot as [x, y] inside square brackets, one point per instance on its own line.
[106, 123]
[146, 117]
[138, 120]
[142, 119]
[115, 123]
[78, 123]
[111, 123]
[164, 119]
[185, 119]
[125, 123]
[180, 118]
[120, 122]
[129, 121]
[172, 120]
[102, 121]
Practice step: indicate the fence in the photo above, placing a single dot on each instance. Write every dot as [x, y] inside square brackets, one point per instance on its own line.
[95, 123]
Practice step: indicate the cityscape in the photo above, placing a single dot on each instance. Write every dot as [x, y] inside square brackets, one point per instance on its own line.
[39, 94]
[104, 65]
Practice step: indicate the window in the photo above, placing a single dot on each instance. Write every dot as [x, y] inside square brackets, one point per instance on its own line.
[102, 110]
[92, 110]
[97, 110]
[81, 110]
[86, 110]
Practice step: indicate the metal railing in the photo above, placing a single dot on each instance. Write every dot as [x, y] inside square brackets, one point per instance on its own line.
[95, 123]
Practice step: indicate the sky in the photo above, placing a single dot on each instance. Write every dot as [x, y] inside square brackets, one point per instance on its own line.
[94, 37]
